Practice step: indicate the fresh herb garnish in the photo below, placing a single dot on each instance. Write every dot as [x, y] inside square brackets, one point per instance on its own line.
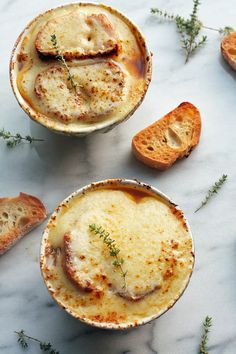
[213, 191]
[22, 339]
[13, 140]
[45, 347]
[62, 60]
[114, 250]
[190, 28]
[225, 31]
[204, 339]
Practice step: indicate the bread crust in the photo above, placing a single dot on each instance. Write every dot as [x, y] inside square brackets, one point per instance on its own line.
[228, 49]
[155, 135]
[31, 212]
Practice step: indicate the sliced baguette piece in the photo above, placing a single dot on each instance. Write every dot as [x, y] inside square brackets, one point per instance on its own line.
[228, 49]
[170, 138]
[78, 36]
[18, 216]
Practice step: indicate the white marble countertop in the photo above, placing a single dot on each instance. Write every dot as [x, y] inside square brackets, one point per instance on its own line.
[53, 169]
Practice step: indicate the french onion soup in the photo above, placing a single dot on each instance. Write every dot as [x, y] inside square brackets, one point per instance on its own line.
[117, 254]
[79, 67]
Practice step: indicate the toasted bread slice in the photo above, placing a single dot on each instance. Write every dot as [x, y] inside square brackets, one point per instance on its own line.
[170, 138]
[100, 88]
[228, 49]
[77, 270]
[57, 96]
[91, 277]
[78, 36]
[87, 259]
[17, 217]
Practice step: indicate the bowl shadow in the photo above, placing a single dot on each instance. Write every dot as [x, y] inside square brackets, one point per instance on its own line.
[56, 148]
[89, 340]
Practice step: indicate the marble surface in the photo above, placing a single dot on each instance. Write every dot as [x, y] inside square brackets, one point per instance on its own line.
[55, 168]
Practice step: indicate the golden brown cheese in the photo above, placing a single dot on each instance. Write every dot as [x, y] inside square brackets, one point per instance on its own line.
[153, 241]
[121, 95]
[99, 89]
[78, 35]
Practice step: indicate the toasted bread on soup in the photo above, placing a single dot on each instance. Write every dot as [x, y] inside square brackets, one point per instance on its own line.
[228, 49]
[78, 36]
[88, 263]
[17, 217]
[93, 97]
[170, 138]
[86, 279]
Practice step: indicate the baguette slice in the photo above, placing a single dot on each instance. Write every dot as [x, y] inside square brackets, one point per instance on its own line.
[228, 49]
[170, 138]
[78, 36]
[17, 217]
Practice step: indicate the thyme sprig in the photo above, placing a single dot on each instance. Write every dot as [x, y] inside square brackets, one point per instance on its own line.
[13, 140]
[207, 324]
[213, 191]
[113, 249]
[224, 31]
[62, 60]
[190, 28]
[23, 339]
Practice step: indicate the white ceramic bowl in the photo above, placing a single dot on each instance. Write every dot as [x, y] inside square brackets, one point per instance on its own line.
[94, 186]
[58, 127]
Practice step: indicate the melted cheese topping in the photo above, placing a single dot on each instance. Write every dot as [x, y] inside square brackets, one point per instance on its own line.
[131, 59]
[78, 35]
[90, 99]
[153, 240]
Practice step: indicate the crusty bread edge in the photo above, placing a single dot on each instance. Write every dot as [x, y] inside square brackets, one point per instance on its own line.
[13, 237]
[164, 166]
[68, 55]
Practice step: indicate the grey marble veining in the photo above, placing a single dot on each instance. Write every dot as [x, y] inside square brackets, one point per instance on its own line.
[55, 168]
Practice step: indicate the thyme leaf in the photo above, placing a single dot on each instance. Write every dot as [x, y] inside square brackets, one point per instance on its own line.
[62, 60]
[23, 339]
[190, 28]
[113, 250]
[204, 339]
[214, 190]
[13, 140]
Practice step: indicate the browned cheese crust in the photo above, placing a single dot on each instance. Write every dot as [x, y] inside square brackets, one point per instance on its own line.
[100, 87]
